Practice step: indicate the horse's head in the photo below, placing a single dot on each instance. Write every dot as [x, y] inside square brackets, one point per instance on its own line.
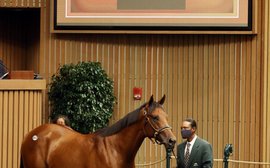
[156, 125]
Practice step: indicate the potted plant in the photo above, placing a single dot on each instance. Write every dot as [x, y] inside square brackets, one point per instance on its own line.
[84, 93]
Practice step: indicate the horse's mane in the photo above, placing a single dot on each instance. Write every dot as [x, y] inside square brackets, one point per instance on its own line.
[129, 119]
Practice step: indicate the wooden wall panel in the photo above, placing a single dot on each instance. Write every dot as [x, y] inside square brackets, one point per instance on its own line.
[266, 83]
[220, 80]
[212, 78]
[20, 112]
[23, 3]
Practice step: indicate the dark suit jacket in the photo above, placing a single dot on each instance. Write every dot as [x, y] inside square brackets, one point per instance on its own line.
[201, 155]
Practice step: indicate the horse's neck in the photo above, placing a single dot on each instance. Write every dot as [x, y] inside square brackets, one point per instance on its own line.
[130, 139]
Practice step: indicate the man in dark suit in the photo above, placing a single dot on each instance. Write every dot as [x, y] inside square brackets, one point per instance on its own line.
[194, 152]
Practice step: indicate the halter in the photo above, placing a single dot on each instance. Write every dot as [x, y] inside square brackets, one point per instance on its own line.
[157, 131]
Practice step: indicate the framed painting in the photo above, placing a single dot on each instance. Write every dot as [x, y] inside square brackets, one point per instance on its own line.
[153, 15]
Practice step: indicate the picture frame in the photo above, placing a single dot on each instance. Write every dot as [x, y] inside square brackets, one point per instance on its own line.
[174, 16]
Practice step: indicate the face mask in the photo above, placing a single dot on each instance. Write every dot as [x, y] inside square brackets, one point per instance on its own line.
[186, 133]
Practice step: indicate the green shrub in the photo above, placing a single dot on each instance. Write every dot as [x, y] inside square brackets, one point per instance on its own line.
[84, 93]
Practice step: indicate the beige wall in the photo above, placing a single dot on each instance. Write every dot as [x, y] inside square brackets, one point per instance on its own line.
[266, 85]
[220, 80]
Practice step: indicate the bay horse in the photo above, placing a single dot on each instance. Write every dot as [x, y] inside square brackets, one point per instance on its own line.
[54, 146]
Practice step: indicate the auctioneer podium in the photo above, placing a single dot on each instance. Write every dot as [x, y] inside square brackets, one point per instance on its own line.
[20, 112]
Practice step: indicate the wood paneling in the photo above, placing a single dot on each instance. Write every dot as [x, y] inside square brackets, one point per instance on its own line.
[265, 132]
[23, 3]
[20, 112]
[220, 80]
[212, 78]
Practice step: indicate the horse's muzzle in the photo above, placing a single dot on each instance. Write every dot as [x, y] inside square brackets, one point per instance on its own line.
[171, 143]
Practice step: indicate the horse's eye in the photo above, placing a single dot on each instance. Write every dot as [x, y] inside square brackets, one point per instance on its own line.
[155, 118]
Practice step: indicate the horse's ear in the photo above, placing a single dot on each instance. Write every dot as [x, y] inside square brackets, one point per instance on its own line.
[161, 101]
[151, 100]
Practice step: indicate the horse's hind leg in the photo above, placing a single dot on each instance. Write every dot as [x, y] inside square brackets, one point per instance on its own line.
[21, 163]
[33, 161]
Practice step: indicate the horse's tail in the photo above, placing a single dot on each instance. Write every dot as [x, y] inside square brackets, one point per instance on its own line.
[21, 162]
